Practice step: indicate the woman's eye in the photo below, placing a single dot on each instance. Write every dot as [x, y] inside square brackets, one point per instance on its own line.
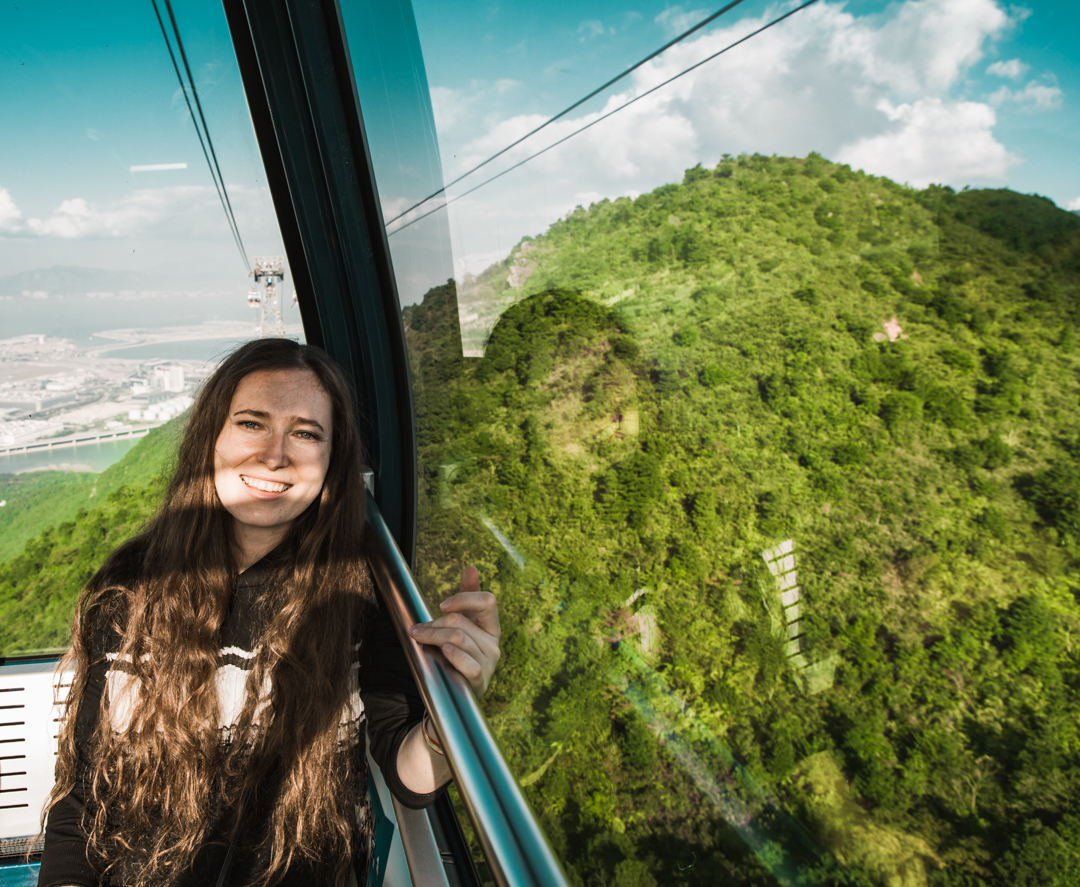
[306, 435]
[247, 423]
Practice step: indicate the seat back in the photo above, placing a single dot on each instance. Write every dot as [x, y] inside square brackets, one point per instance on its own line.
[29, 725]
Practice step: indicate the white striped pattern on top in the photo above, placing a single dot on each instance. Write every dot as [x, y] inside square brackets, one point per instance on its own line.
[122, 688]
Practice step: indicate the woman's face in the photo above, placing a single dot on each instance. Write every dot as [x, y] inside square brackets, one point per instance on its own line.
[271, 457]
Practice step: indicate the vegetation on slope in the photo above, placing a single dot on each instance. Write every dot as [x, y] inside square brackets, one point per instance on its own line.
[39, 586]
[692, 377]
[86, 517]
[683, 381]
[37, 500]
[33, 502]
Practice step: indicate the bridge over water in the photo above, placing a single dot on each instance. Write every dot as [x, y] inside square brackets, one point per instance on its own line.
[87, 437]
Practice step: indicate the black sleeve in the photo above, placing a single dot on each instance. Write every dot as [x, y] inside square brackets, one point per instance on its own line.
[392, 704]
[64, 858]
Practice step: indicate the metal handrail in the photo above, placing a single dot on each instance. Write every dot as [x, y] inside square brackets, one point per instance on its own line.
[516, 849]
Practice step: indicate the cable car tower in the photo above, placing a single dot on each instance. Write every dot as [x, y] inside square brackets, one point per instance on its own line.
[268, 270]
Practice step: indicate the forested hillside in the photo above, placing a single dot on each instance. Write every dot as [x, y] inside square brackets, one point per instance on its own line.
[776, 350]
[58, 528]
[40, 499]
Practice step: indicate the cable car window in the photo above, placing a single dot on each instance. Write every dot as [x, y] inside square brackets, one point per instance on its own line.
[138, 243]
[749, 382]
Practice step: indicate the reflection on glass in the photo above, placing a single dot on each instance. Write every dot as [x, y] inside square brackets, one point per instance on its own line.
[121, 280]
[770, 457]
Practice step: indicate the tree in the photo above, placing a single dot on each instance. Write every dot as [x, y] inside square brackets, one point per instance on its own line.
[901, 411]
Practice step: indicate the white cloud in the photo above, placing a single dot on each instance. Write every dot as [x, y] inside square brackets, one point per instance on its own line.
[924, 47]
[674, 20]
[78, 218]
[879, 91]
[587, 198]
[1033, 97]
[10, 215]
[394, 206]
[185, 212]
[75, 218]
[456, 107]
[936, 141]
[590, 28]
[178, 235]
[1013, 69]
[1073, 205]
[449, 106]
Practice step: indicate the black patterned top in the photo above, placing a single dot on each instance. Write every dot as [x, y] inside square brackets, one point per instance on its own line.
[385, 701]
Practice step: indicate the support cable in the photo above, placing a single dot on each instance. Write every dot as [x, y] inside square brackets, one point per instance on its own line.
[567, 110]
[765, 27]
[215, 169]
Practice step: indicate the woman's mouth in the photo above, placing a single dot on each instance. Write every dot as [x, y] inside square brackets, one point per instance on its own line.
[264, 485]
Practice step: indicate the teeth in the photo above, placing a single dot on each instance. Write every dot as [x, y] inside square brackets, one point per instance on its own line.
[264, 485]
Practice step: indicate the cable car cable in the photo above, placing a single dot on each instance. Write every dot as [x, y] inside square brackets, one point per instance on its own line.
[198, 132]
[765, 27]
[209, 142]
[567, 110]
[219, 181]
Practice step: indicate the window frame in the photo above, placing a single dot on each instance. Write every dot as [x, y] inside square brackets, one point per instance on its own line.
[295, 66]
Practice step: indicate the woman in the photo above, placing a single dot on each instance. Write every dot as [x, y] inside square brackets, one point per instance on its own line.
[229, 658]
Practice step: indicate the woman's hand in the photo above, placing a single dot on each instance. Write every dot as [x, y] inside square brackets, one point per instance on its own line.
[468, 633]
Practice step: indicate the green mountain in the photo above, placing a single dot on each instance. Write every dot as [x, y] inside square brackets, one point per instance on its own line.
[73, 280]
[39, 499]
[62, 526]
[775, 350]
[32, 501]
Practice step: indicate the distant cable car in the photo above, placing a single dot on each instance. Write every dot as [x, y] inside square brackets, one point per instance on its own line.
[254, 299]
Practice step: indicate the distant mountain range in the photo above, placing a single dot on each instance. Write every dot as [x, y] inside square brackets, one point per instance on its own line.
[70, 280]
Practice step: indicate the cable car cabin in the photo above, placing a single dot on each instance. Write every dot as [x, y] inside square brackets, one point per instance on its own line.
[338, 253]
[761, 438]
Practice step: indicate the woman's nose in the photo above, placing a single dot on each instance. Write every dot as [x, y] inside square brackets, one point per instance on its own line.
[273, 454]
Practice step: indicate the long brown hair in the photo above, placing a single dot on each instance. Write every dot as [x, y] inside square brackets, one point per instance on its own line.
[162, 598]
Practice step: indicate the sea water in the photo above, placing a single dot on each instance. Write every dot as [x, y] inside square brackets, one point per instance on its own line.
[94, 457]
[206, 350]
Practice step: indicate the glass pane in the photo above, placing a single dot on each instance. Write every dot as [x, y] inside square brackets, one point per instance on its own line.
[758, 420]
[121, 282]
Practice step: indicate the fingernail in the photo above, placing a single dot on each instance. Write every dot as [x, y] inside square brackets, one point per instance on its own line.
[415, 629]
[448, 649]
[442, 605]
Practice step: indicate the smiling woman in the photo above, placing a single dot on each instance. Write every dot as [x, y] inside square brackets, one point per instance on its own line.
[229, 661]
[270, 459]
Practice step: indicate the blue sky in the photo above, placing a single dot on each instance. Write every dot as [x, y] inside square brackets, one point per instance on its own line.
[960, 91]
[558, 54]
[87, 91]
[963, 92]
[558, 51]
